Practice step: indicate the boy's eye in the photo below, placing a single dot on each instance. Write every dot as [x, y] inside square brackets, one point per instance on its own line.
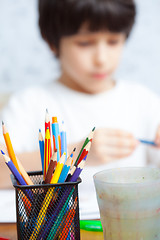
[113, 41]
[84, 43]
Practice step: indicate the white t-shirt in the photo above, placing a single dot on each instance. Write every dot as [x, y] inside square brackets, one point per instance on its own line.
[128, 106]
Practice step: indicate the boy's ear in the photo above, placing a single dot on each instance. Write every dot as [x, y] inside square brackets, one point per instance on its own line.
[53, 49]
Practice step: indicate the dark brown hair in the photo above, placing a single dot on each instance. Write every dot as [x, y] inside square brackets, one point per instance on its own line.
[59, 18]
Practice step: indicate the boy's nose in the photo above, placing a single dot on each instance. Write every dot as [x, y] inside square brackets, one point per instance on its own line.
[101, 55]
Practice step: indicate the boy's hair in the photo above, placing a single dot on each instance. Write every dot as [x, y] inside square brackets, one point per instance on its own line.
[59, 18]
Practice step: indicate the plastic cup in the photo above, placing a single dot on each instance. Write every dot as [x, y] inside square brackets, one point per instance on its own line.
[129, 203]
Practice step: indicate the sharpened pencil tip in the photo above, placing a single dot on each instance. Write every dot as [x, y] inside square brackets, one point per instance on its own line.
[93, 129]
[39, 130]
[74, 149]
[46, 110]
[2, 152]
[2, 123]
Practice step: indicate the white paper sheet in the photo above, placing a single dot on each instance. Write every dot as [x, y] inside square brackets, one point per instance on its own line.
[7, 206]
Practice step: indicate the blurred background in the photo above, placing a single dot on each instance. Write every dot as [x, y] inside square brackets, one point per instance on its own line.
[25, 58]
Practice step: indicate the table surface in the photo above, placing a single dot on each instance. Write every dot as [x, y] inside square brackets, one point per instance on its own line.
[9, 230]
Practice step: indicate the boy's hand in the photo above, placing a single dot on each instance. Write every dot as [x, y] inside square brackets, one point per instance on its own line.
[111, 144]
[157, 138]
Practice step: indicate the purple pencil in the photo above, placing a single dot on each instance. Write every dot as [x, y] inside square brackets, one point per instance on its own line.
[16, 174]
[13, 169]
[77, 172]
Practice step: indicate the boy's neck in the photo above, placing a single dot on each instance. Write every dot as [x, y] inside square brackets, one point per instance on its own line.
[71, 85]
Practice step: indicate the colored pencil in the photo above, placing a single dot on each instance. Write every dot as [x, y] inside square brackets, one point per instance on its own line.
[65, 170]
[68, 221]
[41, 148]
[48, 125]
[71, 172]
[24, 174]
[51, 168]
[84, 152]
[47, 151]
[58, 169]
[42, 213]
[62, 204]
[18, 177]
[147, 142]
[13, 169]
[60, 215]
[46, 201]
[56, 137]
[63, 140]
[72, 155]
[77, 172]
[89, 138]
[9, 146]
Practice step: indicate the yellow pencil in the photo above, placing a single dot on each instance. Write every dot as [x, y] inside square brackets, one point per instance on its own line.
[9, 147]
[47, 151]
[47, 199]
[58, 169]
[42, 213]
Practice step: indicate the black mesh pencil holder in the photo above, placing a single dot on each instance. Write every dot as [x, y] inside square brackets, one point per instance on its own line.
[47, 211]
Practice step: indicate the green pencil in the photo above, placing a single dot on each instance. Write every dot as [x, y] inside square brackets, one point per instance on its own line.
[84, 144]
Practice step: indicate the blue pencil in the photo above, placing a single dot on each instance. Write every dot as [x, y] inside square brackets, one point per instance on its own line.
[41, 147]
[56, 136]
[148, 142]
[63, 140]
[13, 169]
[65, 170]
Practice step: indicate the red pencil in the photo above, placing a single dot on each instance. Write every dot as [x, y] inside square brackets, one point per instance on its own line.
[48, 125]
[68, 221]
[84, 152]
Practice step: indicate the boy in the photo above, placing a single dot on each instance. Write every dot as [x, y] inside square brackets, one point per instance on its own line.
[88, 37]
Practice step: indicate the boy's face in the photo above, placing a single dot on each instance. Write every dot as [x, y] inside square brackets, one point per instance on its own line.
[88, 60]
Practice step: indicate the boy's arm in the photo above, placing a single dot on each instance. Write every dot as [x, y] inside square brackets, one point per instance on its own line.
[30, 161]
[108, 145]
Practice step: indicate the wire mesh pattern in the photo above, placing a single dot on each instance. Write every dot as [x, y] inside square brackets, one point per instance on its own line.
[47, 211]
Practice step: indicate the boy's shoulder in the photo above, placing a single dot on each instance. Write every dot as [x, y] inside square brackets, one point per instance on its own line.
[133, 86]
[33, 92]
[138, 92]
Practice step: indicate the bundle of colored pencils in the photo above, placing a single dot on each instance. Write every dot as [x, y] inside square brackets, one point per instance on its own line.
[57, 166]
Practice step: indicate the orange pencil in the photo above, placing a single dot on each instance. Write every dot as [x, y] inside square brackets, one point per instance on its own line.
[9, 146]
[24, 174]
[68, 221]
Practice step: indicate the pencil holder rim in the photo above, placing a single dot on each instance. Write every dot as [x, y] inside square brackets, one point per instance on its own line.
[33, 173]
